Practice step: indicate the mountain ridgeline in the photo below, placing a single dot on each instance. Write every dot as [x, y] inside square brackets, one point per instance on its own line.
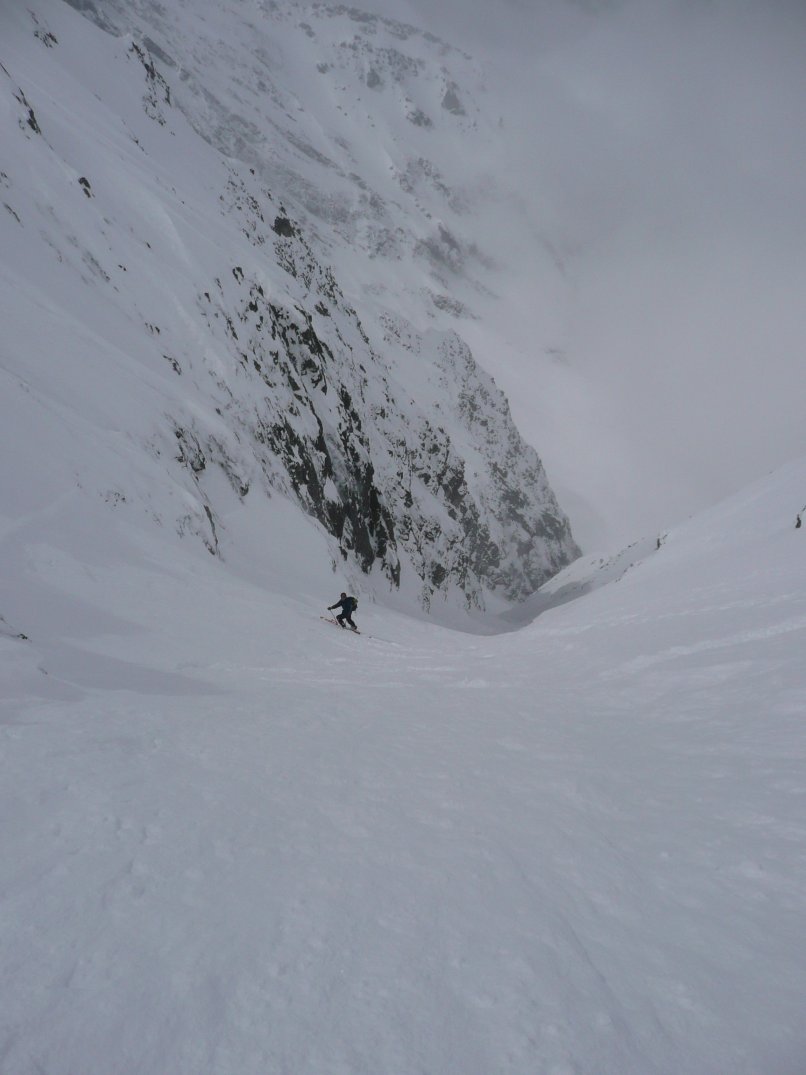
[218, 250]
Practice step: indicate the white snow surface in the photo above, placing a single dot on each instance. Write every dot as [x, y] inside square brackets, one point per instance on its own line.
[237, 839]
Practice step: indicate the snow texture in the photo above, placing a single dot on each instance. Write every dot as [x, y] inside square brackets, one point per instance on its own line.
[236, 839]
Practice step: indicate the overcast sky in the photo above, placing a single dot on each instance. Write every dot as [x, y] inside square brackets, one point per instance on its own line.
[662, 147]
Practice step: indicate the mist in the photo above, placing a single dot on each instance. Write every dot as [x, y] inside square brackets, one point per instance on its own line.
[659, 151]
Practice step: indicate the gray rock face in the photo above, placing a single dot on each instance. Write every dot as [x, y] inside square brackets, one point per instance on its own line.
[441, 482]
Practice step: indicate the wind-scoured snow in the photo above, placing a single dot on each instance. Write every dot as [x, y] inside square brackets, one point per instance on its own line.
[237, 839]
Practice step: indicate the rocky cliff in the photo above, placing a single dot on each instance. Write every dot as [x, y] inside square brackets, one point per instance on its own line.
[187, 240]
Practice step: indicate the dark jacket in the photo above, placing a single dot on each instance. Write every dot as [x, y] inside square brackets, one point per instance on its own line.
[348, 605]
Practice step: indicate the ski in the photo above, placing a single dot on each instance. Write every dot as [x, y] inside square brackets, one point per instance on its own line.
[351, 630]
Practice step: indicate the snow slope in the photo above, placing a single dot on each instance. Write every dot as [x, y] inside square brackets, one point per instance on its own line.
[235, 840]
[238, 840]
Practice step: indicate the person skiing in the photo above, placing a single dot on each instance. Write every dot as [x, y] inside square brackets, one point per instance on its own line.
[348, 605]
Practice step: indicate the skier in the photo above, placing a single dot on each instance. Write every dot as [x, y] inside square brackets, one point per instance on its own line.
[348, 606]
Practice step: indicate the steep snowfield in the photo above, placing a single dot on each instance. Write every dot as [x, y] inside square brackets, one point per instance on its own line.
[237, 840]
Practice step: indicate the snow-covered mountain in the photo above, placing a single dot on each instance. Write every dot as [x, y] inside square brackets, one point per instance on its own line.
[238, 376]
[184, 216]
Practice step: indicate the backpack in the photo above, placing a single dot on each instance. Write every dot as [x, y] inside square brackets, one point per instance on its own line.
[355, 604]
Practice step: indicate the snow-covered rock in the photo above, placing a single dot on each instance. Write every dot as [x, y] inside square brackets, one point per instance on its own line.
[178, 220]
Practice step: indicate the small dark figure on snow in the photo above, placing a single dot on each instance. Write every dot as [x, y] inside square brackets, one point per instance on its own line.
[348, 605]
